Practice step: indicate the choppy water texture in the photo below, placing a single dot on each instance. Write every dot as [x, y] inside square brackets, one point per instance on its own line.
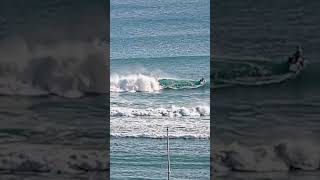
[266, 119]
[159, 51]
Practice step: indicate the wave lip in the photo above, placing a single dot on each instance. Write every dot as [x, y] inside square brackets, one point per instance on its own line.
[174, 111]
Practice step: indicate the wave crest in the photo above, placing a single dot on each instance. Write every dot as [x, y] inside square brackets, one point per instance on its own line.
[134, 83]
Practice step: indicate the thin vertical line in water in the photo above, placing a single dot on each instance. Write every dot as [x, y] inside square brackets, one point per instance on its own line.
[168, 153]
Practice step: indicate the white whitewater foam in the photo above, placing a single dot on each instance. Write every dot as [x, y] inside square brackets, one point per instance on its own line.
[173, 111]
[64, 68]
[280, 157]
[134, 83]
[156, 127]
[151, 123]
[51, 159]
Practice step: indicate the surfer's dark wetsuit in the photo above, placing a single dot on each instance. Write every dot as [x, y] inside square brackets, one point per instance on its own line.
[297, 58]
[201, 80]
[298, 54]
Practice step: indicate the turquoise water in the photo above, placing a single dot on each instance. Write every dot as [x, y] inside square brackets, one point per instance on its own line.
[159, 52]
[143, 158]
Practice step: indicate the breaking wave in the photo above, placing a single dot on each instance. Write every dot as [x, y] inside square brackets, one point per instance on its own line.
[64, 68]
[148, 83]
[281, 157]
[197, 127]
[184, 122]
[41, 159]
[134, 83]
[174, 111]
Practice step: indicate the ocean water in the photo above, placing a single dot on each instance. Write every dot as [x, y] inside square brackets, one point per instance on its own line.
[266, 123]
[53, 90]
[159, 52]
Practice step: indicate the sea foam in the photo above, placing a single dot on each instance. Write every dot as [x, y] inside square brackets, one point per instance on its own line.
[134, 83]
[173, 111]
[279, 157]
[64, 68]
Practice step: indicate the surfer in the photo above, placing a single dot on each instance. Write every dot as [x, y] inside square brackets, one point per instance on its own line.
[296, 61]
[202, 81]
